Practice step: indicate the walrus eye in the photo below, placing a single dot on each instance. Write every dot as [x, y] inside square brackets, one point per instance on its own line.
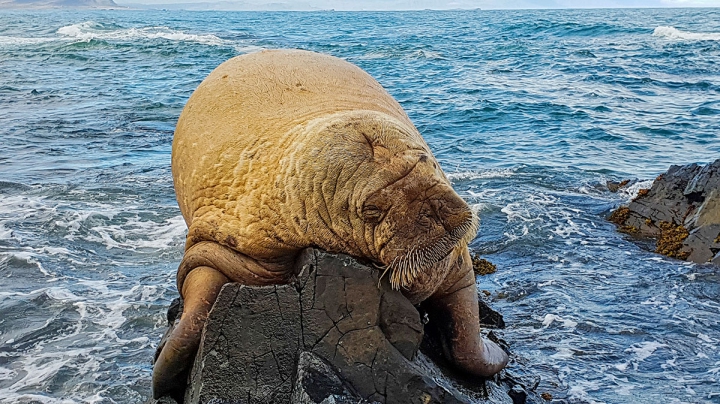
[372, 213]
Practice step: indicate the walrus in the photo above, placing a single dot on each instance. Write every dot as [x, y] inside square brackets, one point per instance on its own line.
[282, 150]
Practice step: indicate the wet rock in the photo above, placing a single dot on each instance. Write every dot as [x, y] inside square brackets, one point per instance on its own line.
[336, 334]
[161, 400]
[317, 382]
[518, 394]
[489, 317]
[681, 210]
[481, 266]
[615, 186]
[175, 310]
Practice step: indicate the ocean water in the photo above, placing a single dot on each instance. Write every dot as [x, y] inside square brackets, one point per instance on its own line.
[529, 112]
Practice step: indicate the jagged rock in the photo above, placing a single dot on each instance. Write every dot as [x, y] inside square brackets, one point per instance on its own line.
[335, 334]
[317, 382]
[518, 394]
[161, 400]
[681, 210]
[615, 186]
[333, 311]
[489, 317]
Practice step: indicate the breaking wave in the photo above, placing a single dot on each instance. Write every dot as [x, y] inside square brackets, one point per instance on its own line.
[89, 30]
[674, 33]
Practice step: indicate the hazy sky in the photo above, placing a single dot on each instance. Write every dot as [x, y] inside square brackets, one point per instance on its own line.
[438, 4]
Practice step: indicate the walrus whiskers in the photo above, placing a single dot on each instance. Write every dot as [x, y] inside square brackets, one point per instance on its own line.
[406, 269]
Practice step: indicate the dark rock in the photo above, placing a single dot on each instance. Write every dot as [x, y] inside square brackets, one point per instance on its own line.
[175, 310]
[317, 382]
[335, 334]
[614, 186]
[681, 210]
[489, 317]
[161, 400]
[481, 266]
[518, 394]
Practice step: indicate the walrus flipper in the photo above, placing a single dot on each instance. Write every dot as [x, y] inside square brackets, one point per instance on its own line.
[205, 268]
[455, 313]
[200, 290]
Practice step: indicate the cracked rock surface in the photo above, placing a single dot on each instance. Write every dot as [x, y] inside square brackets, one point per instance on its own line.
[681, 210]
[336, 334]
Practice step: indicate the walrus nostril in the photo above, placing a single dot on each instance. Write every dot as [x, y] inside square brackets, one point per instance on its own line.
[451, 212]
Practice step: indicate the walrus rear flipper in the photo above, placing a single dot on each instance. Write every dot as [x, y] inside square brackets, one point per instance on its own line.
[199, 292]
[205, 268]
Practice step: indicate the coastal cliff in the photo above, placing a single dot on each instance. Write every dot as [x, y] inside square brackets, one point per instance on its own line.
[41, 4]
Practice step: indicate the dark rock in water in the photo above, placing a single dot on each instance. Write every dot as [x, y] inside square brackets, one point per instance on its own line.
[175, 310]
[489, 317]
[681, 210]
[481, 266]
[518, 394]
[333, 310]
[615, 186]
[161, 400]
[335, 334]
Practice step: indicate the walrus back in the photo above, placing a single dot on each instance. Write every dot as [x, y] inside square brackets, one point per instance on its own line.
[244, 110]
[241, 125]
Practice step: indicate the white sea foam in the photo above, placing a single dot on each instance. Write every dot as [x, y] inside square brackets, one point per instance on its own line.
[89, 30]
[482, 174]
[7, 373]
[578, 392]
[417, 54]
[631, 192]
[19, 41]
[641, 352]
[140, 234]
[674, 33]
[551, 318]
[90, 221]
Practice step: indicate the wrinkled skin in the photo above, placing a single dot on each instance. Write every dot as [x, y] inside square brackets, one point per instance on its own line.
[278, 151]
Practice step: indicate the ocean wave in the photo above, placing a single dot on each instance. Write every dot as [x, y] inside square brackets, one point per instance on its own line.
[14, 40]
[402, 54]
[89, 30]
[482, 174]
[674, 33]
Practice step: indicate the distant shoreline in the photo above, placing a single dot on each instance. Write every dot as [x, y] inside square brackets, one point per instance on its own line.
[273, 7]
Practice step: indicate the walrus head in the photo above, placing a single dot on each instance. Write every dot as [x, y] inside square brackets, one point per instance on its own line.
[411, 217]
[418, 219]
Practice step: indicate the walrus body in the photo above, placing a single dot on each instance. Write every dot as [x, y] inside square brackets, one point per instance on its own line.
[278, 151]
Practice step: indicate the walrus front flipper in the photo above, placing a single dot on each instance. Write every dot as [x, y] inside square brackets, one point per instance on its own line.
[199, 292]
[454, 312]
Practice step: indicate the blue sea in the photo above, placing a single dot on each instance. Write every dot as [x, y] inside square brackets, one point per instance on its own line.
[529, 113]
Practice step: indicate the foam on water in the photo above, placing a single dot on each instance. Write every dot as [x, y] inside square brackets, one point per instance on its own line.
[482, 174]
[674, 33]
[89, 30]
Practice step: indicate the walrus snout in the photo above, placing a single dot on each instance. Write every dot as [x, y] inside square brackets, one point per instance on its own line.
[423, 231]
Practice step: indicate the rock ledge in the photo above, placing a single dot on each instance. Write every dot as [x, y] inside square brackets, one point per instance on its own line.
[681, 211]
